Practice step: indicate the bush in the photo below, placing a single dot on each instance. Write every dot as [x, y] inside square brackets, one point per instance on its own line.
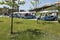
[58, 20]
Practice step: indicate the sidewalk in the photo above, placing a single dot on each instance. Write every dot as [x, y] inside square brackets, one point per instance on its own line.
[3, 16]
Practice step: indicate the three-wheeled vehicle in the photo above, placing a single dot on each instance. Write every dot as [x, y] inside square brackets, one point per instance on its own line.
[50, 15]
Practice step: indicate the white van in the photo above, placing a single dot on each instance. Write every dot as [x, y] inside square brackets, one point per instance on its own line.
[28, 15]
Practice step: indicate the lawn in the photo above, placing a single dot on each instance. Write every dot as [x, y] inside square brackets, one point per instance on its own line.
[25, 29]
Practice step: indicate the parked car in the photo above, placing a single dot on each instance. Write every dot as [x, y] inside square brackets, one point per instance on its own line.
[50, 15]
[27, 15]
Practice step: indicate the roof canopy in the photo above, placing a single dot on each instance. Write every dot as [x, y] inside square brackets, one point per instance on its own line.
[49, 11]
[44, 7]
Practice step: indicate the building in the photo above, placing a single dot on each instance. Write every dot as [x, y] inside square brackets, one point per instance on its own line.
[55, 6]
[6, 10]
[3, 10]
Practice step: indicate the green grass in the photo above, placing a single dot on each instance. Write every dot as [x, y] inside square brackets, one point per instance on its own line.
[29, 30]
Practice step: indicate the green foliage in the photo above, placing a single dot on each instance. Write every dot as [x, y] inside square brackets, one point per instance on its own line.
[59, 20]
[35, 2]
[22, 2]
[10, 3]
[37, 13]
[32, 3]
[1, 2]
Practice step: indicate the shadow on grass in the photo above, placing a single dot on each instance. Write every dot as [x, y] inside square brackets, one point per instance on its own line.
[48, 23]
[29, 34]
[1, 21]
[18, 22]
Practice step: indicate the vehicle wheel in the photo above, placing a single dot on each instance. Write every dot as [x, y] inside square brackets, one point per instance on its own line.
[32, 17]
[22, 17]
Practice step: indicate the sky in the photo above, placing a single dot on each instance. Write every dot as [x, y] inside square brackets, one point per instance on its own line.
[28, 5]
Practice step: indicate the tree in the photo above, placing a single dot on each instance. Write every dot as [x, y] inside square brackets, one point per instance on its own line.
[1, 2]
[11, 3]
[35, 4]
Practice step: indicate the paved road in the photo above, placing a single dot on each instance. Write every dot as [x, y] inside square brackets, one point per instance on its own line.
[46, 21]
[30, 19]
[3, 16]
[0, 15]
